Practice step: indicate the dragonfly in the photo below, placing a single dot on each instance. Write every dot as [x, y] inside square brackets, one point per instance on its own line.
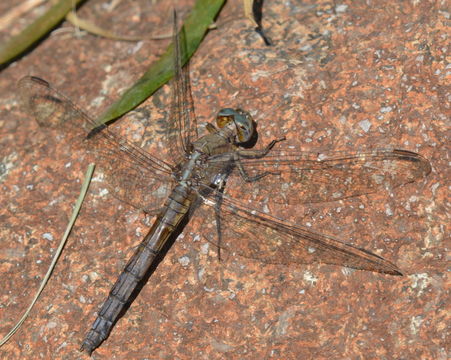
[224, 181]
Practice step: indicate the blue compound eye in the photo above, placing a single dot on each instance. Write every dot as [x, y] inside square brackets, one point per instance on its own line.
[244, 126]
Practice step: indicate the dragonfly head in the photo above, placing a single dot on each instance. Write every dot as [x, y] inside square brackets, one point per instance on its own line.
[240, 120]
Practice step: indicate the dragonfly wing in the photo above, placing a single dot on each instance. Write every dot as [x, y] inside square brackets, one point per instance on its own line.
[133, 185]
[303, 177]
[132, 174]
[182, 129]
[255, 234]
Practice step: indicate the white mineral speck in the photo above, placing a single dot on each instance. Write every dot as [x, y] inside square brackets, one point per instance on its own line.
[310, 278]
[388, 210]
[365, 125]
[184, 261]
[47, 236]
[341, 8]
[204, 248]
[51, 325]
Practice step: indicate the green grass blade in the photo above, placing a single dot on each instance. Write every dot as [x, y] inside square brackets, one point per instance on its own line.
[63, 241]
[18, 44]
[201, 16]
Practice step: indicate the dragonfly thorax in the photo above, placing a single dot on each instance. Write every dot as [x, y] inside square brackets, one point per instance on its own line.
[239, 121]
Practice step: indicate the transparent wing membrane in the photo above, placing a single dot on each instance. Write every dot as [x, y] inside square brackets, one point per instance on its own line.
[257, 235]
[302, 177]
[182, 130]
[132, 174]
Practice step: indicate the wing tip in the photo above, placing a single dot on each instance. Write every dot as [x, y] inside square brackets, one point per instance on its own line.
[395, 272]
[32, 79]
[423, 165]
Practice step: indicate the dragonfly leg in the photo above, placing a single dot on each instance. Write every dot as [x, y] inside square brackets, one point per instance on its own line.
[255, 154]
[153, 211]
[218, 202]
[211, 128]
[254, 178]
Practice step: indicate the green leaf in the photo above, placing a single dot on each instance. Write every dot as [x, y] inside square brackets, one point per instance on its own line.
[18, 44]
[200, 18]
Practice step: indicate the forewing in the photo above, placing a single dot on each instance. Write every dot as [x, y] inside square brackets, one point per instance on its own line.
[132, 174]
[254, 234]
[182, 129]
[296, 178]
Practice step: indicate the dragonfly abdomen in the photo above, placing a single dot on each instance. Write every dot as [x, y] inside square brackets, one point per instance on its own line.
[176, 208]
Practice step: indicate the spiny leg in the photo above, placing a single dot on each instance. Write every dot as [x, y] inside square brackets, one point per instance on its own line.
[218, 197]
[255, 154]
